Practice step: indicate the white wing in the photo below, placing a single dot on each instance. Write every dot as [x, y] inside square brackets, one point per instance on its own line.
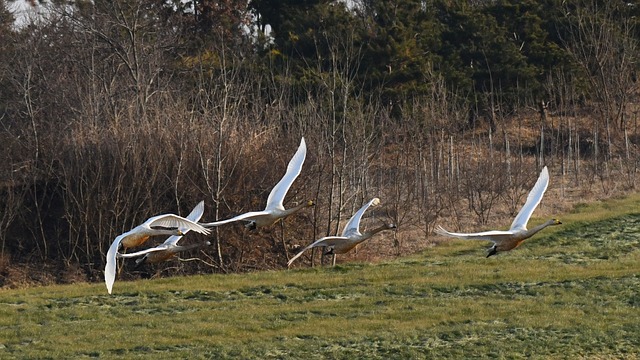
[493, 235]
[110, 268]
[145, 251]
[194, 216]
[197, 212]
[276, 197]
[171, 220]
[353, 226]
[250, 216]
[325, 241]
[534, 198]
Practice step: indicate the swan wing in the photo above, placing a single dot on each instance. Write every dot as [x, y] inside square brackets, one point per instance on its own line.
[325, 241]
[197, 212]
[353, 226]
[194, 216]
[160, 247]
[276, 197]
[172, 220]
[328, 241]
[110, 267]
[250, 216]
[533, 199]
[493, 235]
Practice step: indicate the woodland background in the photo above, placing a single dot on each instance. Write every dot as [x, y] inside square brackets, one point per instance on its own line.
[115, 111]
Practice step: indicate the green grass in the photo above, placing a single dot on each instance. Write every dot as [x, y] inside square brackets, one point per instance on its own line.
[572, 291]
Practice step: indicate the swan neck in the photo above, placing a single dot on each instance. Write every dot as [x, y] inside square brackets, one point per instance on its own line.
[534, 230]
[295, 209]
[372, 232]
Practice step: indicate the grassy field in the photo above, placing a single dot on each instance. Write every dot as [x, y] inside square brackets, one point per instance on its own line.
[572, 291]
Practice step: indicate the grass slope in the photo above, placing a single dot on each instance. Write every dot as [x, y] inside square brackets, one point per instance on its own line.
[570, 292]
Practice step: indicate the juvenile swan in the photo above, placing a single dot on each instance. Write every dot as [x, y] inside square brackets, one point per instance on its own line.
[510, 239]
[167, 224]
[274, 210]
[170, 247]
[351, 235]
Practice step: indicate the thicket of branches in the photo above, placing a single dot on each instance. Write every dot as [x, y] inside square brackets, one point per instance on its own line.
[112, 112]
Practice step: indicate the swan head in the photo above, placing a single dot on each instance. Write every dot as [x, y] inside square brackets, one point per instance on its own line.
[311, 203]
[391, 226]
[555, 222]
[251, 225]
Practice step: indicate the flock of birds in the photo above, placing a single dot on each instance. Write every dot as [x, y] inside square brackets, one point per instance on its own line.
[177, 226]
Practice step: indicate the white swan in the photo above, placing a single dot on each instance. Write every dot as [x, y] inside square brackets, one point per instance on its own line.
[167, 224]
[274, 210]
[512, 238]
[351, 235]
[170, 247]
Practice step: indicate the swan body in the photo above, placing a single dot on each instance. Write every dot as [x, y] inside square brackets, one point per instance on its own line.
[170, 247]
[351, 235]
[510, 239]
[274, 211]
[166, 224]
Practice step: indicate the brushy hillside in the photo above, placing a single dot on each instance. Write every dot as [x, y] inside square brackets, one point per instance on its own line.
[569, 292]
[115, 111]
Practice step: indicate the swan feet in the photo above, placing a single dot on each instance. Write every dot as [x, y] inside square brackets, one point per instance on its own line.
[330, 251]
[492, 250]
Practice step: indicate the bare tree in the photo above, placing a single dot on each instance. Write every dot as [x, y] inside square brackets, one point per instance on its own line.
[601, 40]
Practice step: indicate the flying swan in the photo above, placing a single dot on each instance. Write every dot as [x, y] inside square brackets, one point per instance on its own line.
[274, 211]
[351, 235]
[170, 247]
[166, 224]
[510, 239]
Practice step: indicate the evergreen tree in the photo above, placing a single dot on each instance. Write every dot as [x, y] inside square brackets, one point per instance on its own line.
[402, 44]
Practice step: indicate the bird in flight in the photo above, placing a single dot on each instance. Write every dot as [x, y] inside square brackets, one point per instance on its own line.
[512, 238]
[170, 247]
[351, 235]
[166, 224]
[274, 211]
